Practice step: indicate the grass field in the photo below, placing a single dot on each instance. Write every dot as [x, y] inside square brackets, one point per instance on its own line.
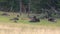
[25, 27]
[43, 22]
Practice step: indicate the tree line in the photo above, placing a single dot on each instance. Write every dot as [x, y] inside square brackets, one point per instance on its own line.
[34, 6]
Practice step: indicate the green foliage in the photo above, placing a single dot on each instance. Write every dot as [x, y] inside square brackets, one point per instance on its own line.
[25, 2]
[35, 5]
[3, 0]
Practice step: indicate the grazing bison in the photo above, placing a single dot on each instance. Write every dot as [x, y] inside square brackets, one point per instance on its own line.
[52, 19]
[34, 19]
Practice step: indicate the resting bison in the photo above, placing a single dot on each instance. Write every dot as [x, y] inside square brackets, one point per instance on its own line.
[34, 19]
[52, 19]
[15, 19]
[5, 14]
[17, 15]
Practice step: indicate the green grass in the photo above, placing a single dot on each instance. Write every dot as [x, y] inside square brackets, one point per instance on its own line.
[43, 22]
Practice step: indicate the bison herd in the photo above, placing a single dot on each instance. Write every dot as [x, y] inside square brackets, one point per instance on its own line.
[32, 19]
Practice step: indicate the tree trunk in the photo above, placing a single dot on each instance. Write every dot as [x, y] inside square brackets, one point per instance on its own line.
[20, 7]
[29, 7]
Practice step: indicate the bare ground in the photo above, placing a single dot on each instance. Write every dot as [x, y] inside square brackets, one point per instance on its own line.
[27, 29]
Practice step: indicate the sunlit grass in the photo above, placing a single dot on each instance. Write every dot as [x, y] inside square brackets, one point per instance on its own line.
[43, 22]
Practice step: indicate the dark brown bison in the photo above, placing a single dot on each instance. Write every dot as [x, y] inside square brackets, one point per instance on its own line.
[5, 14]
[52, 19]
[34, 19]
[15, 19]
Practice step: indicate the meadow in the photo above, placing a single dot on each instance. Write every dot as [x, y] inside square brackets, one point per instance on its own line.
[23, 19]
[23, 26]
